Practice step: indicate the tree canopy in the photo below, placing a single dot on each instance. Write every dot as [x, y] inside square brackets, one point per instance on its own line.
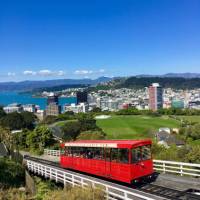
[39, 138]
[16, 121]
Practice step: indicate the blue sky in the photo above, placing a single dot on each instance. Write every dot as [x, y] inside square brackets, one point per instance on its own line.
[47, 39]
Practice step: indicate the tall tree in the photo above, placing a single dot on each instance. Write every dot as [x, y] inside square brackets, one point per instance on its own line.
[39, 138]
[13, 121]
[29, 120]
[71, 130]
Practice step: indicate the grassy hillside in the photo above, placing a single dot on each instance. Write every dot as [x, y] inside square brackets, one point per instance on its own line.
[130, 127]
[191, 118]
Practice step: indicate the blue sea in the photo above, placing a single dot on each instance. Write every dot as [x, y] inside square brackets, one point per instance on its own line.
[14, 97]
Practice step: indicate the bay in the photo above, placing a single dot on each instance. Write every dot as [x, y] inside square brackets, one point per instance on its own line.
[14, 97]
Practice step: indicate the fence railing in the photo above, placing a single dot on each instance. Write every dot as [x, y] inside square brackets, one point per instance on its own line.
[180, 168]
[50, 152]
[164, 166]
[62, 176]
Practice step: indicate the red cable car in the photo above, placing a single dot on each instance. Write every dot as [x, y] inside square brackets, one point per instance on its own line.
[122, 160]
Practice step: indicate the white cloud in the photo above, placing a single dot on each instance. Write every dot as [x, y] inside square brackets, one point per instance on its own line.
[44, 72]
[83, 72]
[11, 74]
[88, 72]
[29, 72]
[60, 73]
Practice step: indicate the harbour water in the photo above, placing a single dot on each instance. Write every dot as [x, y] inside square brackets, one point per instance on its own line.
[14, 97]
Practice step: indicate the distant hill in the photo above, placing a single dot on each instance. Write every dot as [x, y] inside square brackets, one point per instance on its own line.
[57, 88]
[31, 85]
[173, 75]
[166, 82]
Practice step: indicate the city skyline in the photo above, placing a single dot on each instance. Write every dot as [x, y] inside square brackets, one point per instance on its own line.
[62, 39]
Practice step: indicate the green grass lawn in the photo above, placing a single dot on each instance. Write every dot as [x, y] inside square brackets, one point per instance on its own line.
[195, 118]
[131, 127]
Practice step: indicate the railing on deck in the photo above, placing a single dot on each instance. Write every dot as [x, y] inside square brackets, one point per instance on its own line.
[164, 166]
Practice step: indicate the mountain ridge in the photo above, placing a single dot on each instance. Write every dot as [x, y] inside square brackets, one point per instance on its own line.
[31, 85]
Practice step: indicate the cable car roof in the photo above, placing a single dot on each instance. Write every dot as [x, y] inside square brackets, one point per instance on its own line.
[108, 143]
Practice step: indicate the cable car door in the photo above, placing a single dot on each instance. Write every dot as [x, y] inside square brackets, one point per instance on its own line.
[137, 164]
[107, 162]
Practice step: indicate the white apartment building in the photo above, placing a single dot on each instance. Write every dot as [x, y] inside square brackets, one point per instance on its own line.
[13, 108]
[29, 108]
[77, 108]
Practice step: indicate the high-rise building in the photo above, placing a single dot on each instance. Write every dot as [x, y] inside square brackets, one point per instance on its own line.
[155, 97]
[82, 97]
[52, 98]
[53, 108]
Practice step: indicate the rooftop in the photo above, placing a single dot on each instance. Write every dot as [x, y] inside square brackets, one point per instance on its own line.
[109, 143]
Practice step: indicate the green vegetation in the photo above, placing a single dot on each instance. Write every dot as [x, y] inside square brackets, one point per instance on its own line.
[11, 173]
[2, 113]
[169, 111]
[81, 128]
[176, 83]
[47, 190]
[92, 135]
[39, 138]
[12, 194]
[16, 121]
[77, 193]
[187, 153]
[58, 88]
[62, 117]
[71, 130]
[191, 119]
[134, 126]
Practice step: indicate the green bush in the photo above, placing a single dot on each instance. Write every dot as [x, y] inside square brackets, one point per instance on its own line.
[11, 173]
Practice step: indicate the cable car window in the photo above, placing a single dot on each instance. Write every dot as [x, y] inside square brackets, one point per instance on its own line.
[69, 151]
[66, 151]
[136, 155]
[123, 155]
[114, 155]
[98, 153]
[146, 152]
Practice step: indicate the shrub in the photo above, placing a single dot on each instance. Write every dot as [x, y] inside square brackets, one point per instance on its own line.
[92, 135]
[76, 193]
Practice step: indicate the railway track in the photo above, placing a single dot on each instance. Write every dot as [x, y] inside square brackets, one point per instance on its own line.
[157, 190]
[171, 193]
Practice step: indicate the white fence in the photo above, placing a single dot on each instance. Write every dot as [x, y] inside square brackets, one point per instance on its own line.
[61, 175]
[164, 166]
[177, 167]
[50, 152]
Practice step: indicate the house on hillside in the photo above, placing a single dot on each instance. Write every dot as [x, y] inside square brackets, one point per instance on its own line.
[168, 130]
[166, 139]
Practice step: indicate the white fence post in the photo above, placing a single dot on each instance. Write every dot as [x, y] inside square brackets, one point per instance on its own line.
[164, 168]
[181, 169]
